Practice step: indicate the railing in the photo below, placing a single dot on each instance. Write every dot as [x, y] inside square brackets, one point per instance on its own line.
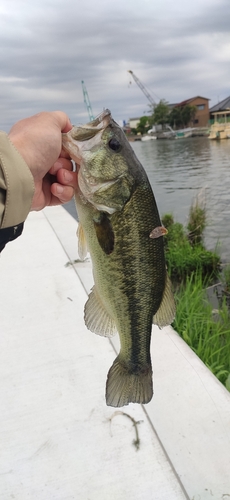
[219, 120]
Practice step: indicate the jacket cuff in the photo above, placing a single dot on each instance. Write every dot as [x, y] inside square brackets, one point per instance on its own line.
[17, 186]
[10, 234]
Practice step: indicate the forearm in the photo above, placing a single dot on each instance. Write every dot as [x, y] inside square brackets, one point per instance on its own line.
[16, 185]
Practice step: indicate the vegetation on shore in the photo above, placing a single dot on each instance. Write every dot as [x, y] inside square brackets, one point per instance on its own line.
[194, 272]
[178, 117]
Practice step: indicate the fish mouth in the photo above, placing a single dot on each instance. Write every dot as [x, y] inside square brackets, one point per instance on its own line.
[90, 129]
[72, 140]
[101, 121]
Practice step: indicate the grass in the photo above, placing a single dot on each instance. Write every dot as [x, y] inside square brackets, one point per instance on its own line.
[197, 221]
[226, 277]
[192, 269]
[205, 330]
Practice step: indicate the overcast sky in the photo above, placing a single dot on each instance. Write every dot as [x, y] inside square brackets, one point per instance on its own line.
[178, 49]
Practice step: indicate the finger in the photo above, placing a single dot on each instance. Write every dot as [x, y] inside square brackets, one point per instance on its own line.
[61, 163]
[67, 178]
[62, 193]
[64, 154]
[62, 120]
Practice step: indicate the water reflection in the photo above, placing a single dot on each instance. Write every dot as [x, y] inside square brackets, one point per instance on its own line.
[179, 169]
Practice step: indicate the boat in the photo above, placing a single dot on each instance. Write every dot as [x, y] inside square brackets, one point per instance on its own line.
[159, 132]
[184, 133]
[166, 132]
[148, 138]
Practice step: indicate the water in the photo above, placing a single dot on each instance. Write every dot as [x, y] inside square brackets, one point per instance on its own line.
[179, 170]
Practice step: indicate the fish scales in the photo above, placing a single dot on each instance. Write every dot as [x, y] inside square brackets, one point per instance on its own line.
[142, 277]
[131, 288]
[142, 281]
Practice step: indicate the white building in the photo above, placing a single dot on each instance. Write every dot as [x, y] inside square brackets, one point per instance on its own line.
[133, 122]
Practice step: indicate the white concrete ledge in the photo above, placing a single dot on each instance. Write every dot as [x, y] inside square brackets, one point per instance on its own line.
[58, 441]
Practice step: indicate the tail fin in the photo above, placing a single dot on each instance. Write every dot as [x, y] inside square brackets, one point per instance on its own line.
[124, 387]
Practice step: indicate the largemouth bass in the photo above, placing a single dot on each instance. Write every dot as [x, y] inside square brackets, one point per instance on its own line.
[120, 226]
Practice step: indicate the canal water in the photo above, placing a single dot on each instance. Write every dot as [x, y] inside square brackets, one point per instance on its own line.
[180, 170]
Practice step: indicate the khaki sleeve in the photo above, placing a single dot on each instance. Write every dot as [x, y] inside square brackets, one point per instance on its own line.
[16, 185]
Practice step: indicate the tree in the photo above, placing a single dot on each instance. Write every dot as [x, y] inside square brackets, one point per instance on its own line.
[161, 113]
[175, 117]
[181, 116]
[188, 114]
[143, 125]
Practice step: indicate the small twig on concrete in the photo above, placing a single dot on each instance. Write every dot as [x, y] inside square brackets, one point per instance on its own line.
[136, 441]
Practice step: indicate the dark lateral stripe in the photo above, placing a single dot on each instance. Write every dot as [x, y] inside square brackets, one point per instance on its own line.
[9, 234]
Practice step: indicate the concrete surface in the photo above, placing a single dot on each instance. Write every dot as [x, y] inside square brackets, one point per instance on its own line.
[58, 439]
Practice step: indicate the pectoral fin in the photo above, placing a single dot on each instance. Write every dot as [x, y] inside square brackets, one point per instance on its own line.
[82, 245]
[158, 231]
[104, 232]
[167, 310]
[96, 317]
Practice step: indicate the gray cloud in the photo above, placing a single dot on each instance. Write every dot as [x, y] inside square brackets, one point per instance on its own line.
[176, 50]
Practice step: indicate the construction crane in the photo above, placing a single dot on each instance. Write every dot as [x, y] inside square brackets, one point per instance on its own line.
[87, 101]
[144, 90]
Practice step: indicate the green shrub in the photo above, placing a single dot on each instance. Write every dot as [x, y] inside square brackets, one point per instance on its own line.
[184, 258]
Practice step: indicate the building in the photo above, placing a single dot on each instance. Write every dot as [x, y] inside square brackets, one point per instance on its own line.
[220, 120]
[133, 122]
[202, 115]
[222, 106]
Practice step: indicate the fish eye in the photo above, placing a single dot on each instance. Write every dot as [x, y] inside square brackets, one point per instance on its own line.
[114, 144]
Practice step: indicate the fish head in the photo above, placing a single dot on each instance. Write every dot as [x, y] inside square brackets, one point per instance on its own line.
[100, 148]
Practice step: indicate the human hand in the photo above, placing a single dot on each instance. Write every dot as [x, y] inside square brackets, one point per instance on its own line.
[39, 141]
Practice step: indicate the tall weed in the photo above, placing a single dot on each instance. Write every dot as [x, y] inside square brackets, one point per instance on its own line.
[205, 330]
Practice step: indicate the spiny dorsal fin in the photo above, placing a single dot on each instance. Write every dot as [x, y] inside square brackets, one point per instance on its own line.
[104, 232]
[82, 245]
[96, 317]
[167, 310]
